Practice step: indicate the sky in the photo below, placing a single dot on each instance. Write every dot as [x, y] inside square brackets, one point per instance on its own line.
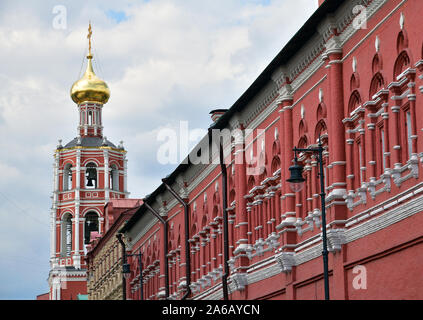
[165, 61]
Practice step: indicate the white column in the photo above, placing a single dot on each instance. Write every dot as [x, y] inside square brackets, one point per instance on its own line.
[125, 175]
[86, 121]
[54, 208]
[58, 226]
[76, 258]
[95, 119]
[53, 291]
[100, 225]
[106, 176]
[58, 290]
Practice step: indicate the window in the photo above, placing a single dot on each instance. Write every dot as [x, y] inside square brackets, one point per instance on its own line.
[66, 235]
[406, 133]
[356, 114]
[91, 224]
[409, 134]
[380, 150]
[67, 177]
[357, 157]
[90, 117]
[376, 85]
[382, 141]
[114, 178]
[402, 63]
[360, 156]
[91, 176]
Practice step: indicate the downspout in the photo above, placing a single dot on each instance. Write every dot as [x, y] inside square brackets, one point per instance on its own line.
[141, 284]
[225, 225]
[187, 244]
[225, 218]
[165, 245]
[119, 237]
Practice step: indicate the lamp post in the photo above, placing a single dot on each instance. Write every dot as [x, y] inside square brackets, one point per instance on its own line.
[119, 237]
[296, 182]
[126, 270]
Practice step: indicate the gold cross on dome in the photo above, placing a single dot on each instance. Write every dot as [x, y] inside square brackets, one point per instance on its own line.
[89, 38]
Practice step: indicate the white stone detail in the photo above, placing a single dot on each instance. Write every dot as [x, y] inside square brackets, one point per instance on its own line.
[285, 261]
[239, 280]
[336, 238]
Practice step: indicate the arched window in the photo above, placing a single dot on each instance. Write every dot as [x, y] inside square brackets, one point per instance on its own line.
[376, 85]
[301, 196]
[376, 63]
[321, 132]
[67, 177]
[402, 63]
[114, 178]
[90, 117]
[91, 224]
[232, 195]
[321, 111]
[251, 183]
[355, 141]
[204, 221]
[276, 164]
[402, 41]
[215, 211]
[406, 118]
[193, 229]
[66, 235]
[91, 176]
[302, 127]
[82, 117]
[355, 101]
[354, 81]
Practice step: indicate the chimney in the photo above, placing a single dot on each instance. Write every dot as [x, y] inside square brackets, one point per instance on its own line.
[320, 2]
[217, 113]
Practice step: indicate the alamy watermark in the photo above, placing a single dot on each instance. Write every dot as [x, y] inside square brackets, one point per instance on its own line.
[60, 19]
[176, 143]
[360, 280]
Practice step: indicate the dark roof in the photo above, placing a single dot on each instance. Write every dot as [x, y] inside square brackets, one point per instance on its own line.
[289, 50]
[89, 142]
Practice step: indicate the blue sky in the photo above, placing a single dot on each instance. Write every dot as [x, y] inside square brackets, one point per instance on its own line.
[118, 16]
[164, 61]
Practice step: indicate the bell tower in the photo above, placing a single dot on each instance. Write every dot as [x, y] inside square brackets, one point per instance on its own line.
[88, 171]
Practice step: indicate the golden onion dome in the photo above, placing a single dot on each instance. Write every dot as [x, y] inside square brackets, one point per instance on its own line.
[90, 88]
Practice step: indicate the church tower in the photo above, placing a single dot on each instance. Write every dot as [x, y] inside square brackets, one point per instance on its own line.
[88, 171]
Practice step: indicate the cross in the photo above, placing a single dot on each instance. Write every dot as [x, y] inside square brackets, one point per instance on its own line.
[89, 38]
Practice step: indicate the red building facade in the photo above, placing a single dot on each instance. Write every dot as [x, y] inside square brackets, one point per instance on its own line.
[88, 172]
[352, 75]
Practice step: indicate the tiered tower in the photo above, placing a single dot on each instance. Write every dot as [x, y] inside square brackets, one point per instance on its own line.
[88, 171]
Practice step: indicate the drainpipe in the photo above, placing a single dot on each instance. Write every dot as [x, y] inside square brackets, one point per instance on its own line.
[119, 237]
[225, 225]
[165, 244]
[187, 244]
[225, 218]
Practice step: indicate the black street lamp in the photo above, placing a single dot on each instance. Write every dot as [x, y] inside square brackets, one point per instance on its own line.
[296, 182]
[126, 270]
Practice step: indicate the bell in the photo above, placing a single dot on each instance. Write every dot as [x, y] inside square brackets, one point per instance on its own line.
[91, 175]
